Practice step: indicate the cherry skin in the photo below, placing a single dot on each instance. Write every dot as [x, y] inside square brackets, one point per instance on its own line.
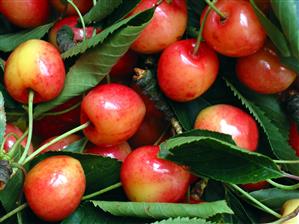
[25, 13]
[72, 23]
[36, 65]
[230, 120]
[167, 25]
[11, 140]
[54, 187]
[183, 76]
[239, 34]
[294, 137]
[60, 145]
[54, 125]
[262, 72]
[115, 112]
[146, 178]
[255, 186]
[82, 5]
[119, 152]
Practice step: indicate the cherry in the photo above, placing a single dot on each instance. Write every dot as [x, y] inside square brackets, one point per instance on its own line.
[54, 187]
[294, 137]
[36, 65]
[60, 145]
[11, 140]
[255, 186]
[72, 23]
[238, 34]
[119, 152]
[82, 5]
[25, 13]
[230, 120]
[262, 72]
[146, 178]
[167, 25]
[183, 76]
[54, 125]
[115, 112]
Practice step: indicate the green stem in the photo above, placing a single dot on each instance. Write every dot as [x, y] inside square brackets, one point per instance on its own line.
[5, 139]
[94, 2]
[30, 126]
[286, 161]
[84, 145]
[112, 187]
[108, 79]
[12, 151]
[291, 176]
[211, 4]
[13, 212]
[199, 36]
[62, 111]
[80, 16]
[40, 149]
[282, 186]
[258, 203]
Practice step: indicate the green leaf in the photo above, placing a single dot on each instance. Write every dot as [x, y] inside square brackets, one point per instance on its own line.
[101, 10]
[274, 197]
[87, 213]
[100, 172]
[8, 42]
[95, 64]
[11, 193]
[163, 210]
[9, 102]
[278, 141]
[136, 22]
[218, 159]
[2, 118]
[291, 63]
[2, 63]
[273, 32]
[287, 14]
[77, 146]
[183, 220]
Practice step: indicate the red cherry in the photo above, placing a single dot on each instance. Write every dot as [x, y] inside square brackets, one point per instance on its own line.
[167, 25]
[54, 187]
[11, 140]
[115, 112]
[55, 125]
[294, 137]
[82, 5]
[230, 120]
[239, 34]
[60, 145]
[36, 65]
[255, 186]
[262, 72]
[72, 23]
[146, 178]
[183, 76]
[25, 13]
[119, 152]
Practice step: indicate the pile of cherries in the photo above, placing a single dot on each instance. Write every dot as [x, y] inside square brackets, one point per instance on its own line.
[118, 120]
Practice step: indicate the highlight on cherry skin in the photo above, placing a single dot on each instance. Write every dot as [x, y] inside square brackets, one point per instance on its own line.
[183, 76]
[114, 111]
[262, 71]
[146, 178]
[36, 65]
[25, 13]
[54, 187]
[166, 27]
[231, 120]
[238, 34]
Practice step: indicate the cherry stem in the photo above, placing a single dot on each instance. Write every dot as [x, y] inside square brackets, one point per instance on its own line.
[291, 176]
[286, 161]
[199, 37]
[62, 111]
[282, 186]
[255, 201]
[84, 145]
[94, 2]
[80, 16]
[13, 149]
[4, 140]
[16, 165]
[212, 5]
[112, 187]
[64, 135]
[108, 79]
[13, 212]
[30, 126]
[176, 125]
